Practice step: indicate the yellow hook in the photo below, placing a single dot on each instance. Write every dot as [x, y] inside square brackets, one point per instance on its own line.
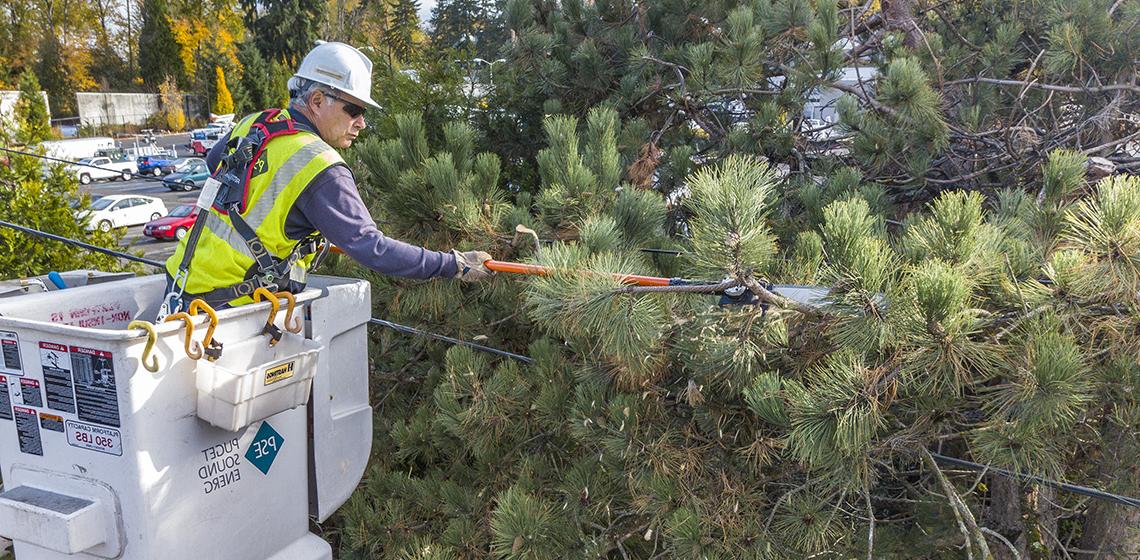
[196, 353]
[151, 338]
[292, 324]
[197, 305]
[270, 329]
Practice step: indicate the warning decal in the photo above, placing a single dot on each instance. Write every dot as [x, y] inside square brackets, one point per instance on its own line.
[5, 399]
[28, 428]
[95, 438]
[279, 372]
[51, 422]
[56, 364]
[30, 392]
[95, 395]
[10, 354]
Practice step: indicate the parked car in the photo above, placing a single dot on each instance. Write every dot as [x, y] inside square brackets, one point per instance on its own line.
[202, 139]
[173, 225]
[102, 167]
[119, 210]
[153, 164]
[192, 174]
[173, 165]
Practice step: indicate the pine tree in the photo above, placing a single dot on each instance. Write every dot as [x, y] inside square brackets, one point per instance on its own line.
[223, 102]
[52, 73]
[284, 29]
[255, 79]
[158, 51]
[734, 432]
[42, 198]
[475, 27]
[975, 290]
[32, 120]
[400, 35]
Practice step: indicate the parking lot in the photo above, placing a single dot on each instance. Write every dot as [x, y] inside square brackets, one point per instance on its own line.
[148, 186]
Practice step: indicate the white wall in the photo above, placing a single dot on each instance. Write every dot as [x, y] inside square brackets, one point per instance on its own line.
[116, 108]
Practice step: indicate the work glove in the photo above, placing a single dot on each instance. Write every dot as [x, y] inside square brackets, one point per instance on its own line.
[469, 265]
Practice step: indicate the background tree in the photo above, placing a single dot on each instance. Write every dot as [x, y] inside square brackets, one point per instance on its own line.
[403, 32]
[42, 198]
[285, 29]
[223, 102]
[33, 123]
[111, 69]
[159, 58]
[171, 114]
[18, 41]
[474, 27]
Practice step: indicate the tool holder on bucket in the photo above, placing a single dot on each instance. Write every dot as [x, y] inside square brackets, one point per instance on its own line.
[254, 378]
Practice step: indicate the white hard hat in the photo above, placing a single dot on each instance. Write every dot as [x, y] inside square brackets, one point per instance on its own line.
[339, 66]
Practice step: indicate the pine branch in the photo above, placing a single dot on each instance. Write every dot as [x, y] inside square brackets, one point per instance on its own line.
[1005, 541]
[779, 300]
[965, 517]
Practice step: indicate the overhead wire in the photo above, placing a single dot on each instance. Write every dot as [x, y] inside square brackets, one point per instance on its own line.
[117, 172]
[1072, 488]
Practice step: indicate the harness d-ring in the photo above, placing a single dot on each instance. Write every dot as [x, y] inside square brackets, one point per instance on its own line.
[196, 352]
[213, 348]
[270, 329]
[292, 324]
[151, 339]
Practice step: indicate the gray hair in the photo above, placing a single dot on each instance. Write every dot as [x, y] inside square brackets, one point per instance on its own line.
[300, 90]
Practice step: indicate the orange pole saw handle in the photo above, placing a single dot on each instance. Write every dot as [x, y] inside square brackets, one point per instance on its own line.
[539, 270]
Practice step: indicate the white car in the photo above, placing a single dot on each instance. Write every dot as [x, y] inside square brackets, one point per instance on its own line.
[121, 210]
[102, 167]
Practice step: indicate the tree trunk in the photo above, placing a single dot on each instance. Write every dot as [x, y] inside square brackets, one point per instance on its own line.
[899, 16]
[1004, 515]
[1111, 530]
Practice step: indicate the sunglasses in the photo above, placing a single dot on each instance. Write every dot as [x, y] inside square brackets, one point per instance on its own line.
[352, 109]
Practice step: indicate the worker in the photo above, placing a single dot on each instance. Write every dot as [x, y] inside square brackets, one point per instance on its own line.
[298, 190]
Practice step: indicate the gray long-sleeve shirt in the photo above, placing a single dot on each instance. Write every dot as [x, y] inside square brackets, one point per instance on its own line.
[332, 205]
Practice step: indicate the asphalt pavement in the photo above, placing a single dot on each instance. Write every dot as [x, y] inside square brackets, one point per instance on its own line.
[148, 186]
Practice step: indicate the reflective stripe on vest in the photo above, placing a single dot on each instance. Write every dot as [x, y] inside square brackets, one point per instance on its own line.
[222, 258]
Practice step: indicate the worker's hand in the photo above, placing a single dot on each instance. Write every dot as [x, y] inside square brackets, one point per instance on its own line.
[469, 265]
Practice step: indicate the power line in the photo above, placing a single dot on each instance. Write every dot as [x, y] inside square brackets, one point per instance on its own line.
[116, 172]
[480, 347]
[87, 246]
[1075, 489]
[1082, 490]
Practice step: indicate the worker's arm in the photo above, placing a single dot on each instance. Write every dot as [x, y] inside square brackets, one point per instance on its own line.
[332, 205]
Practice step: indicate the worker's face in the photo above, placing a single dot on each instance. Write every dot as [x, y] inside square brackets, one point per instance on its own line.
[333, 117]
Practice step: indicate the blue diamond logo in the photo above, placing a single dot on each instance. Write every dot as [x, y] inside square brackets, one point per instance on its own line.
[264, 447]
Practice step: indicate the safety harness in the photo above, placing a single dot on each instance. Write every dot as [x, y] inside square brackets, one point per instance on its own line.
[227, 192]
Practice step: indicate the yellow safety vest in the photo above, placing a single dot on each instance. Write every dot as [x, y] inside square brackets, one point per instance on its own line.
[285, 167]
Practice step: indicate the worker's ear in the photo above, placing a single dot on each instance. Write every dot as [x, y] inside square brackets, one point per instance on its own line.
[318, 99]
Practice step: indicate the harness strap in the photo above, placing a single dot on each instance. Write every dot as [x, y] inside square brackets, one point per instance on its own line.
[245, 288]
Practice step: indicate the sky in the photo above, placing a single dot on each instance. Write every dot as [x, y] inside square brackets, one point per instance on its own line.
[425, 11]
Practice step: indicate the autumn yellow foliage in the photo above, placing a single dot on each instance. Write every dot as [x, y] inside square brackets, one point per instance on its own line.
[223, 101]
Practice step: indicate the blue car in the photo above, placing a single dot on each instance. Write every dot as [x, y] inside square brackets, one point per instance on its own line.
[153, 164]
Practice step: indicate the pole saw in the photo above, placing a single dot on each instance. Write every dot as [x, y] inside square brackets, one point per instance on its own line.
[731, 292]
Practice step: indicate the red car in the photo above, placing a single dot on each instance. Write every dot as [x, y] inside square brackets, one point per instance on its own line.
[173, 225]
